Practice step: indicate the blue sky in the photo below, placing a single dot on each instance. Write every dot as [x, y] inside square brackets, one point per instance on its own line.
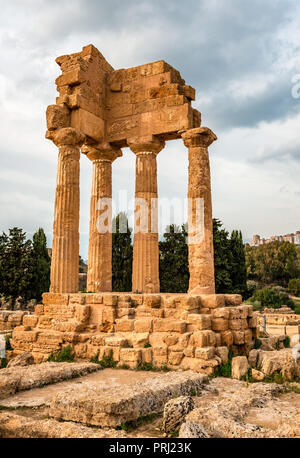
[240, 55]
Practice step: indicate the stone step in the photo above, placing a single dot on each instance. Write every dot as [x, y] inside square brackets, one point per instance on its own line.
[18, 378]
[111, 407]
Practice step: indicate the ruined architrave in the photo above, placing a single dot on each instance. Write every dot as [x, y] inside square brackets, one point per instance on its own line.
[102, 110]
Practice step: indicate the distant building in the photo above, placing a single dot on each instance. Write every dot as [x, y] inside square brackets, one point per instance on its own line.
[292, 238]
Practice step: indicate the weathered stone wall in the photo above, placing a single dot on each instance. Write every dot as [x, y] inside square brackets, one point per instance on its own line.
[176, 330]
[10, 319]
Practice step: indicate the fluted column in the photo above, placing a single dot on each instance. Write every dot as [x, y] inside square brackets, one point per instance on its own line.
[65, 247]
[200, 225]
[99, 277]
[145, 269]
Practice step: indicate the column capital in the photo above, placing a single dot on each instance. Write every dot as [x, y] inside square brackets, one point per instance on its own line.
[101, 152]
[66, 136]
[200, 136]
[146, 145]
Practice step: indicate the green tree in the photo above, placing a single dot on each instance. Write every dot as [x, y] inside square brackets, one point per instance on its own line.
[122, 254]
[16, 269]
[41, 265]
[173, 260]
[223, 258]
[238, 271]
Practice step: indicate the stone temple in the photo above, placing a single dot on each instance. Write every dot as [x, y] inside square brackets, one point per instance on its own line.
[98, 112]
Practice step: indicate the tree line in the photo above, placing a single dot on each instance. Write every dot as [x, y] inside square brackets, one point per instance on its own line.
[25, 264]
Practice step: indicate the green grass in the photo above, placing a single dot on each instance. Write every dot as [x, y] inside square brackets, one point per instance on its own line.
[65, 355]
[127, 425]
[106, 361]
[7, 340]
[3, 363]
[174, 433]
[257, 343]
[276, 377]
[147, 345]
[224, 370]
[287, 342]
[151, 367]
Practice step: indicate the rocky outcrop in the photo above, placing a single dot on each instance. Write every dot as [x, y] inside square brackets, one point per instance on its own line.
[175, 412]
[24, 359]
[17, 426]
[18, 378]
[111, 407]
[190, 430]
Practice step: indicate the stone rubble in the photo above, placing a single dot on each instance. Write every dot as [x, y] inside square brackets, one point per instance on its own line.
[175, 412]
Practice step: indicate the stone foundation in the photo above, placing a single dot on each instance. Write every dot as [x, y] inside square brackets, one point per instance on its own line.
[173, 330]
[9, 319]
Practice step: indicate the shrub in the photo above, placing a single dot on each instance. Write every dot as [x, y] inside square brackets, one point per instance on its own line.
[7, 340]
[65, 355]
[294, 286]
[267, 297]
[106, 361]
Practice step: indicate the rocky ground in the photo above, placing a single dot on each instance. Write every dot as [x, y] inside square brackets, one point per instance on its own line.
[194, 406]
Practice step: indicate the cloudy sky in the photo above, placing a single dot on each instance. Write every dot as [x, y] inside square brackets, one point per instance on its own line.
[243, 58]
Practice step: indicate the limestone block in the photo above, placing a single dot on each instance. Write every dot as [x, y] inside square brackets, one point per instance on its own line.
[201, 322]
[137, 299]
[166, 325]
[252, 322]
[253, 357]
[188, 302]
[71, 78]
[24, 336]
[58, 116]
[67, 326]
[130, 355]
[168, 302]
[182, 343]
[239, 367]
[227, 338]
[50, 338]
[238, 337]
[143, 325]
[115, 341]
[212, 301]
[146, 355]
[218, 339]
[233, 299]
[161, 350]
[45, 322]
[124, 325]
[203, 339]
[170, 340]
[175, 357]
[94, 298]
[72, 337]
[248, 336]
[77, 299]
[189, 351]
[82, 313]
[222, 312]
[110, 299]
[125, 312]
[175, 412]
[55, 298]
[80, 350]
[157, 313]
[139, 340]
[30, 320]
[205, 352]
[222, 352]
[257, 375]
[219, 324]
[235, 324]
[152, 300]
[109, 315]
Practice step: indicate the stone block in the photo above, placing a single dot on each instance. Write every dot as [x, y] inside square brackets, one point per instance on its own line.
[222, 312]
[239, 367]
[55, 299]
[201, 322]
[175, 357]
[166, 325]
[124, 325]
[115, 341]
[30, 320]
[212, 301]
[143, 325]
[110, 300]
[152, 300]
[219, 324]
[130, 355]
[203, 339]
[82, 313]
[205, 352]
[77, 298]
[94, 298]
[233, 299]
[222, 352]
[227, 338]
[238, 337]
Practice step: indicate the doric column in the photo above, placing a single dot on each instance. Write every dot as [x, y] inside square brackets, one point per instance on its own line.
[99, 277]
[145, 269]
[65, 247]
[200, 225]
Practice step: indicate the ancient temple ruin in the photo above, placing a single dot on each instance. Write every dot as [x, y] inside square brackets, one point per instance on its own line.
[98, 112]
